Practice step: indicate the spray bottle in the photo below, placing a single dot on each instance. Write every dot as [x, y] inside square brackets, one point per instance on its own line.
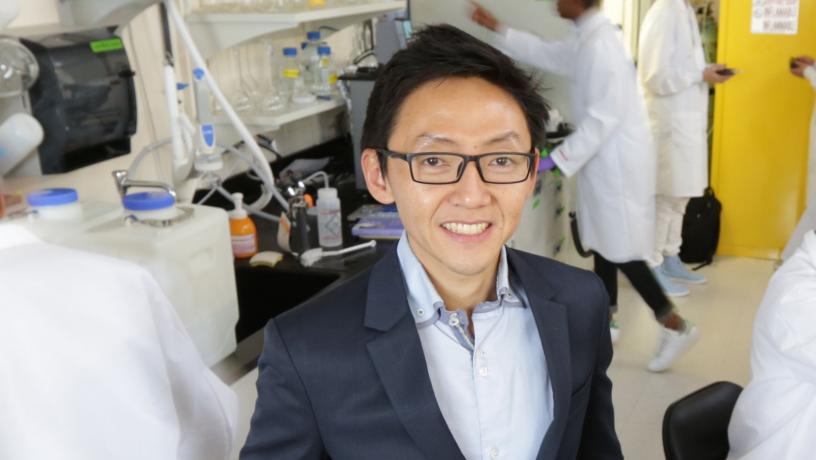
[329, 220]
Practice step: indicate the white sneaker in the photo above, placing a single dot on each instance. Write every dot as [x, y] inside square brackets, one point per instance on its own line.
[672, 345]
[614, 331]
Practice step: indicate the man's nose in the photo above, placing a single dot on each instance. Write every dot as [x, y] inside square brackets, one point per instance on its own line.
[471, 190]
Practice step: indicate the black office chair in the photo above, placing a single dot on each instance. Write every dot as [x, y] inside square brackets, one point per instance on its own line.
[696, 426]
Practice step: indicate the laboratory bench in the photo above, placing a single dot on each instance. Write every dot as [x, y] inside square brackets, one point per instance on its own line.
[265, 292]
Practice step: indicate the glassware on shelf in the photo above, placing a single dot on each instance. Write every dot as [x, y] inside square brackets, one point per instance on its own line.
[251, 71]
[325, 74]
[273, 100]
[309, 59]
[238, 96]
[294, 89]
[289, 72]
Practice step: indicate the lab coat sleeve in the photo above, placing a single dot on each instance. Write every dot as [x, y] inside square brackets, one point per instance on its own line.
[556, 57]
[659, 48]
[598, 439]
[103, 367]
[283, 426]
[606, 107]
[810, 75]
[790, 306]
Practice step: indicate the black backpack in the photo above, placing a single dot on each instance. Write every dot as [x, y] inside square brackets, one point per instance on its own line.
[701, 229]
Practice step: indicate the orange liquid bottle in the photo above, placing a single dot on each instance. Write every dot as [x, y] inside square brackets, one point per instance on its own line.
[243, 233]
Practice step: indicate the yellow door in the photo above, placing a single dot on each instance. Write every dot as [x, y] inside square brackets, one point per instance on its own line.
[761, 124]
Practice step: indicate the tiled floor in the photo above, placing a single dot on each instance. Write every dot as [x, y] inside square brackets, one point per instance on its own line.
[723, 309]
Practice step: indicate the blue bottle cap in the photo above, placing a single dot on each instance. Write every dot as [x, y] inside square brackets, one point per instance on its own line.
[313, 35]
[290, 51]
[52, 197]
[324, 50]
[148, 201]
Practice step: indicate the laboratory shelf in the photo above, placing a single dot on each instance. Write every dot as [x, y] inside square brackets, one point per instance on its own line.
[214, 32]
[273, 121]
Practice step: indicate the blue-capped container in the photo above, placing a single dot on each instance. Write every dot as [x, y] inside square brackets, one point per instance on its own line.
[153, 205]
[55, 204]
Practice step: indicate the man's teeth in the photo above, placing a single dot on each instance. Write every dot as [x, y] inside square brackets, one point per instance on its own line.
[466, 229]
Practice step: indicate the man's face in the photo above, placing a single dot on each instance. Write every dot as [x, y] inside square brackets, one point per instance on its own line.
[456, 228]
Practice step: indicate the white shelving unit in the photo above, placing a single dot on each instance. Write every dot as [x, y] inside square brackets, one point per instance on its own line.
[273, 121]
[214, 32]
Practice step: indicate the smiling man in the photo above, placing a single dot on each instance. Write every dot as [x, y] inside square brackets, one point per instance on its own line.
[452, 346]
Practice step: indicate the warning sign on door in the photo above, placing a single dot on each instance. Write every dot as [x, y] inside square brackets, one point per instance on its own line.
[780, 17]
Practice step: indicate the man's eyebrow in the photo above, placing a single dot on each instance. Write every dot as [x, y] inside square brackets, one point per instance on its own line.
[431, 138]
[508, 136]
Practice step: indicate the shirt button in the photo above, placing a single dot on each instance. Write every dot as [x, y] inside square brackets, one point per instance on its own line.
[482, 353]
[420, 312]
[483, 372]
[453, 321]
[494, 453]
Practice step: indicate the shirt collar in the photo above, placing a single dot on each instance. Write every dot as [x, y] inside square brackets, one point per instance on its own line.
[423, 299]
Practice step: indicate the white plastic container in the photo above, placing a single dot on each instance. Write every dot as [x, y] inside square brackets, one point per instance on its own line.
[58, 214]
[329, 219]
[190, 257]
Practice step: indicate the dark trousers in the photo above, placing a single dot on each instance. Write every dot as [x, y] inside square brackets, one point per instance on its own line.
[642, 280]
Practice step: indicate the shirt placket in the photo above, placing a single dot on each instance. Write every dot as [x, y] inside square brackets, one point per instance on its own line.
[484, 377]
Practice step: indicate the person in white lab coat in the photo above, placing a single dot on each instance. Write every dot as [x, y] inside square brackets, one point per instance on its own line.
[610, 152]
[675, 80]
[804, 67]
[775, 415]
[96, 365]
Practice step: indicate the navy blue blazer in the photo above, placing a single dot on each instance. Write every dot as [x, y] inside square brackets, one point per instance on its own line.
[343, 376]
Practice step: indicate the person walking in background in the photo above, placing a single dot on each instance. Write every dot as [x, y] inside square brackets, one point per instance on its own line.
[612, 155]
[675, 78]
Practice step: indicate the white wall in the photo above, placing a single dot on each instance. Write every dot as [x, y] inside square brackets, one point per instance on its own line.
[538, 17]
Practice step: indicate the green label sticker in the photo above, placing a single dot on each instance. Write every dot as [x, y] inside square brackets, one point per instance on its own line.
[103, 46]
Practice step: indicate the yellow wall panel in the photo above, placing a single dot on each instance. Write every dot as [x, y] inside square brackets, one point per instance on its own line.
[761, 123]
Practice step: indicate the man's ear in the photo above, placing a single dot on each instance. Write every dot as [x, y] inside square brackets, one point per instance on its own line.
[375, 178]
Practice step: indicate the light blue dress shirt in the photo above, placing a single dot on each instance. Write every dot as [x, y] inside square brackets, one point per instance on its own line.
[493, 388]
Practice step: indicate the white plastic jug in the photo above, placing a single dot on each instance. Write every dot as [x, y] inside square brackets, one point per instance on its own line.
[57, 214]
[189, 254]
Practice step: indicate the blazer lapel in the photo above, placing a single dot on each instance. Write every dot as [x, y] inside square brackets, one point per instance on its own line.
[400, 363]
[551, 319]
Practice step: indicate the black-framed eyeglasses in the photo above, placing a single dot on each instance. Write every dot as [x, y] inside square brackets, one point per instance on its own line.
[439, 168]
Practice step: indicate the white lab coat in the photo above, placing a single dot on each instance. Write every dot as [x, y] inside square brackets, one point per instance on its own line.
[96, 365]
[671, 62]
[807, 221]
[611, 149]
[775, 415]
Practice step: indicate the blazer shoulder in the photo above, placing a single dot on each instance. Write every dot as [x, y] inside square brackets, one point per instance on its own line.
[335, 309]
[571, 285]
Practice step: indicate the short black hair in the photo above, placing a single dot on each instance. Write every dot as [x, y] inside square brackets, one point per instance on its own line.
[438, 52]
